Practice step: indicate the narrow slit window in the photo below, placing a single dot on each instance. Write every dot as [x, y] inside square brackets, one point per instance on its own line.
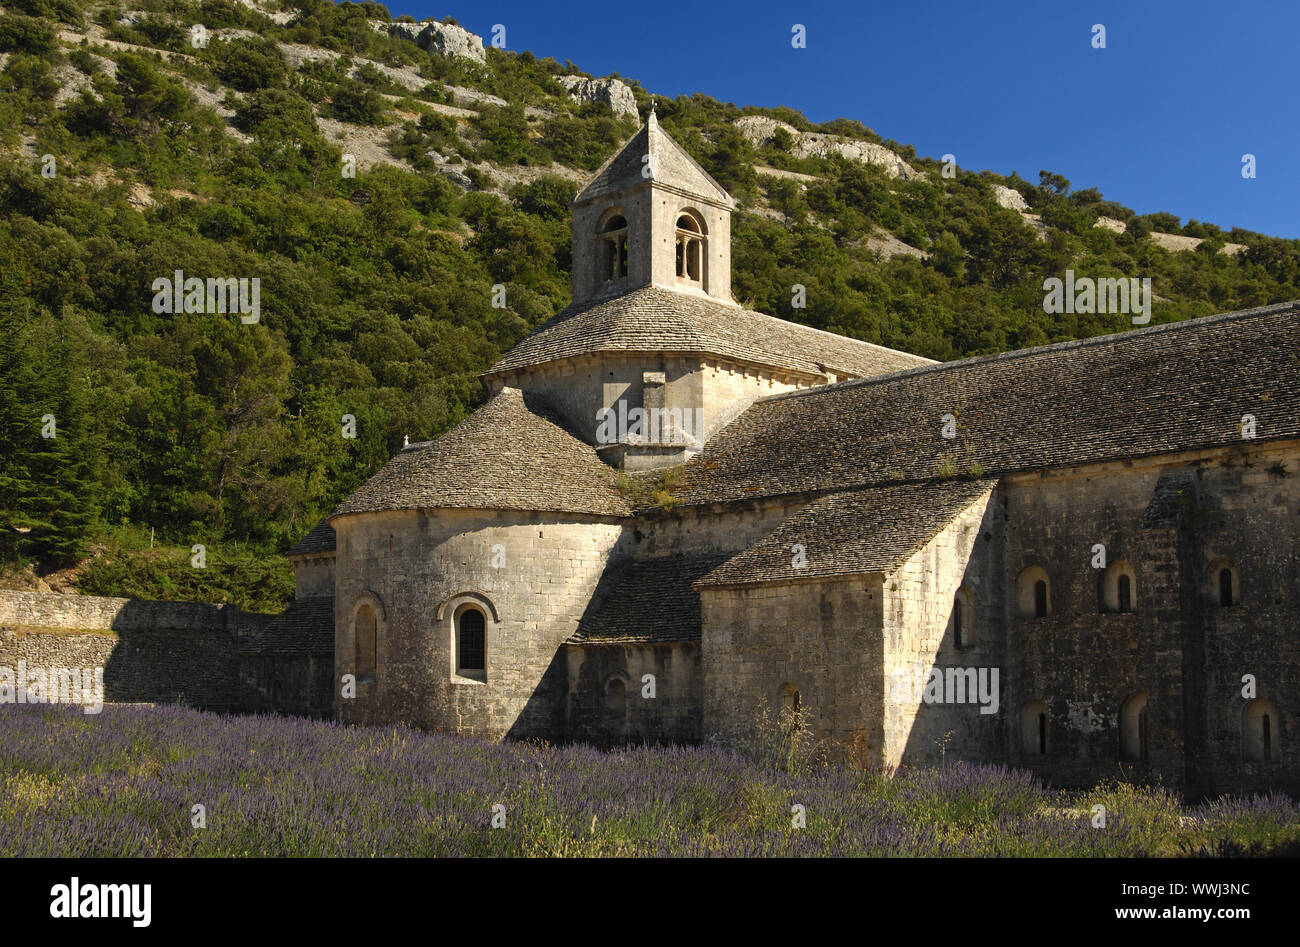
[365, 629]
[1225, 587]
[471, 650]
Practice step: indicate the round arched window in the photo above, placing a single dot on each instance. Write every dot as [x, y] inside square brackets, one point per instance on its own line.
[471, 643]
[690, 248]
[613, 249]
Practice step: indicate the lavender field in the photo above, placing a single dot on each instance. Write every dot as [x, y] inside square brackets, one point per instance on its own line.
[125, 783]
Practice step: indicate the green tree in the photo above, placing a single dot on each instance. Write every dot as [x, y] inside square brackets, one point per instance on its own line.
[250, 64]
[356, 102]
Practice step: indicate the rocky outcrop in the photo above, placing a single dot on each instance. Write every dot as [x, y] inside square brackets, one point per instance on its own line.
[1009, 198]
[441, 39]
[445, 40]
[1173, 242]
[813, 145]
[611, 92]
[473, 97]
[277, 17]
[1176, 243]
[402, 30]
[759, 129]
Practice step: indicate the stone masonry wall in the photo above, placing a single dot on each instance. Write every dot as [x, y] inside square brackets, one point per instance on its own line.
[820, 637]
[1177, 644]
[302, 685]
[51, 610]
[918, 635]
[588, 277]
[602, 712]
[665, 208]
[705, 531]
[1247, 513]
[577, 388]
[420, 568]
[313, 575]
[150, 651]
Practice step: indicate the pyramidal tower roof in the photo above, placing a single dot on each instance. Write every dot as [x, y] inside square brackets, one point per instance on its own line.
[652, 157]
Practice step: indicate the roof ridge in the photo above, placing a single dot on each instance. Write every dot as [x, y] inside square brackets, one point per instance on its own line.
[775, 353]
[1124, 335]
[596, 175]
[658, 143]
[652, 124]
[943, 501]
[835, 335]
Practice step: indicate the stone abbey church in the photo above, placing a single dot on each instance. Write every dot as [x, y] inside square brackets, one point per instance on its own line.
[1075, 558]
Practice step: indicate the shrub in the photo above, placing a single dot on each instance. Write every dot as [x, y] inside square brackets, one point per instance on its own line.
[84, 61]
[161, 32]
[67, 11]
[249, 65]
[355, 102]
[22, 34]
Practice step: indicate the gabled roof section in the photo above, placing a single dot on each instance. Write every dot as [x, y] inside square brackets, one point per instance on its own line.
[646, 601]
[655, 319]
[671, 166]
[320, 539]
[305, 627]
[864, 531]
[1159, 390]
[508, 455]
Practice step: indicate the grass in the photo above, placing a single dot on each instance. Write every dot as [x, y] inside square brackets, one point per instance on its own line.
[20, 630]
[651, 489]
[125, 783]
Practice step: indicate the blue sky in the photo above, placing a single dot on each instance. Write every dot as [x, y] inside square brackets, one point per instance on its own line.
[1158, 120]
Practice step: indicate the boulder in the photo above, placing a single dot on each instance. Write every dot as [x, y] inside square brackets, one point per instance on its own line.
[457, 178]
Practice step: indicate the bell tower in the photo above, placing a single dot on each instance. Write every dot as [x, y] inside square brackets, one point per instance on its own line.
[652, 216]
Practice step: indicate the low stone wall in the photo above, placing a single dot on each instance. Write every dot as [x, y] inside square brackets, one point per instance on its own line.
[158, 652]
[97, 613]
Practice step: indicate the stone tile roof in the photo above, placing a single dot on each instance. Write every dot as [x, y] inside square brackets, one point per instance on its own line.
[305, 627]
[319, 539]
[655, 319]
[872, 530]
[646, 601]
[508, 455]
[670, 162]
[1151, 391]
